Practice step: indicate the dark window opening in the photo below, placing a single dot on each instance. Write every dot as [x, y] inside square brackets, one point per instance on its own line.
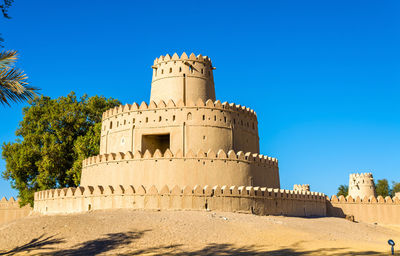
[156, 141]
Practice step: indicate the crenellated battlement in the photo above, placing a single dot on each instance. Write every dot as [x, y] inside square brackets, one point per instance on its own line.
[175, 57]
[238, 191]
[368, 209]
[249, 199]
[4, 203]
[361, 184]
[301, 187]
[364, 200]
[361, 176]
[200, 154]
[209, 104]
[182, 78]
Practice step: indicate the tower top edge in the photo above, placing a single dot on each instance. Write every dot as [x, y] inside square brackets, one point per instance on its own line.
[183, 57]
[366, 174]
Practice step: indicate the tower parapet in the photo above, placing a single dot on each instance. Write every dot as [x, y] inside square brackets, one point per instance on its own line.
[361, 184]
[182, 78]
[301, 187]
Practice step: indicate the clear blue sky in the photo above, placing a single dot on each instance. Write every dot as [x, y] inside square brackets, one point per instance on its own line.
[323, 76]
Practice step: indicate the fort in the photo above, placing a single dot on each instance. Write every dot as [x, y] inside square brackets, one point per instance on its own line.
[186, 150]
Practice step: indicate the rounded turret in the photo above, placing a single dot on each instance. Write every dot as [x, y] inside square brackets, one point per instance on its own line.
[301, 187]
[182, 78]
[362, 185]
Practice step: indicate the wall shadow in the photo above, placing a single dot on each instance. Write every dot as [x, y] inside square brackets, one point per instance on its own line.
[120, 244]
[107, 243]
[332, 211]
[229, 249]
[40, 243]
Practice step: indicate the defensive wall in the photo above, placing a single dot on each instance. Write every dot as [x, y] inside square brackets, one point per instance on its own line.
[261, 201]
[199, 125]
[10, 210]
[369, 209]
[201, 168]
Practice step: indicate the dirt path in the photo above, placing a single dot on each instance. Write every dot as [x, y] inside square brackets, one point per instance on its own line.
[129, 232]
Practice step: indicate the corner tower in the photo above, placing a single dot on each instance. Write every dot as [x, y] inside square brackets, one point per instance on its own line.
[182, 78]
[361, 185]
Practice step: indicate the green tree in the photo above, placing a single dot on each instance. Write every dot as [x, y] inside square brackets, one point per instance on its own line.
[343, 190]
[382, 188]
[54, 137]
[395, 188]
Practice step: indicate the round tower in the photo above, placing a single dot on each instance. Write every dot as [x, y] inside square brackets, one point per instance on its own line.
[182, 78]
[361, 184]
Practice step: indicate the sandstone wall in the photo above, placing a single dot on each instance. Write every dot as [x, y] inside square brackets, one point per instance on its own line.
[369, 209]
[255, 200]
[204, 168]
[361, 185]
[200, 125]
[182, 78]
[10, 210]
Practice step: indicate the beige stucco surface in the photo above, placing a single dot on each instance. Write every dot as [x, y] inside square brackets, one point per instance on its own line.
[255, 200]
[369, 209]
[183, 136]
[10, 210]
[204, 168]
[361, 185]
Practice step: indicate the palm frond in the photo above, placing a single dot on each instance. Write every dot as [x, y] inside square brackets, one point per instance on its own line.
[14, 86]
[7, 58]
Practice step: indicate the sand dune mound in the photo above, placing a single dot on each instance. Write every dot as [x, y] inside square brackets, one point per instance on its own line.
[129, 232]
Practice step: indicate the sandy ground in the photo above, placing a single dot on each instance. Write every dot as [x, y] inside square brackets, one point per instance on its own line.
[130, 232]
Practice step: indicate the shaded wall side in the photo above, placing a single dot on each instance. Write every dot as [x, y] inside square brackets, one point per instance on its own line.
[370, 211]
[10, 210]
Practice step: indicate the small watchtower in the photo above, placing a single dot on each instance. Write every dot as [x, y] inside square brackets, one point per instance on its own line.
[182, 78]
[361, 184]
[301, 187]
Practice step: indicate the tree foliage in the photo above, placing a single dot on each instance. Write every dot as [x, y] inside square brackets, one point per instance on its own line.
[343, 190]
[13, 81]
[382, 188]
[54, 137]
[395, 188]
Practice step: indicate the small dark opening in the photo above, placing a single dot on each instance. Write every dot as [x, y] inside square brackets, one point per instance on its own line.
[89, 207]
[155, 141]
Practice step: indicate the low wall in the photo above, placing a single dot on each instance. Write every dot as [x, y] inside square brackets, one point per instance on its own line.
[201, 168]
[10, 210]
[369, 210]
[261, 201]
